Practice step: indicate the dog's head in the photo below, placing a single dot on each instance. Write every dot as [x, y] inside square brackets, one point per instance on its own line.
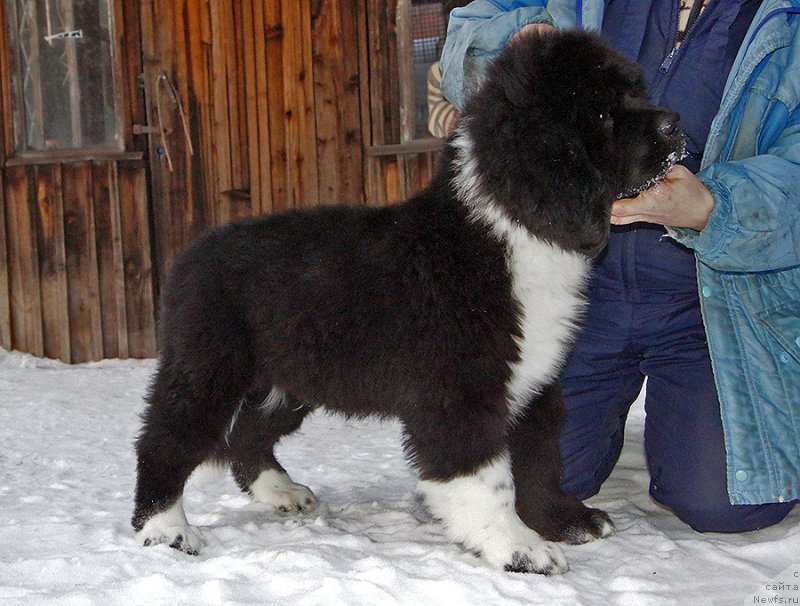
[559, 129]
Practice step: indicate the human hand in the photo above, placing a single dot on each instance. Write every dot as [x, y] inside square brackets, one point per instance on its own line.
[533, 29]
[679, 200]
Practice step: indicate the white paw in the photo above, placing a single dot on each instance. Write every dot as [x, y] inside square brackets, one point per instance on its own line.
[171, 528]
[528, 552]
[478, 512]
[276, 488]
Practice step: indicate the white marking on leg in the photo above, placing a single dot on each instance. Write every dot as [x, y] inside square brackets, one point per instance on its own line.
[478, 512]
[208, 473]
[274, 487]
[170, 527]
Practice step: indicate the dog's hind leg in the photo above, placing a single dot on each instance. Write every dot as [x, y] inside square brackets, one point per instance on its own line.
[466, 482]
[260, 423]
[186, 418]
[541, 503]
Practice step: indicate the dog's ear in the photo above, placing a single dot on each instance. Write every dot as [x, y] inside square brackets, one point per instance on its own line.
[521, 69]
[515, 88]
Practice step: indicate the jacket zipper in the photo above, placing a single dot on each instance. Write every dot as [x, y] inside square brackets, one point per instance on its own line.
[667, 63]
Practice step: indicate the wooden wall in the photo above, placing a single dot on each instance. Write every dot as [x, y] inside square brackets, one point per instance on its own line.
[272, 95]
[79, 263]
[242, 108]
[76, 280]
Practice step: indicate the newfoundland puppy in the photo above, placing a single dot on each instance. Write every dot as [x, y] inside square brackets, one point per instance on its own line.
[452, 312]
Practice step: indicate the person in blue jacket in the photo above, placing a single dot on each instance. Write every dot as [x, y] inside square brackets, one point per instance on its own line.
[699, 288]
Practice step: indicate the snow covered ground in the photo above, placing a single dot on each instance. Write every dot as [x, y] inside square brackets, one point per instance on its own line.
[67, 464]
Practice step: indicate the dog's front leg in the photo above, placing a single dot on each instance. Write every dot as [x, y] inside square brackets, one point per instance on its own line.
[537, 468]
[478, 512]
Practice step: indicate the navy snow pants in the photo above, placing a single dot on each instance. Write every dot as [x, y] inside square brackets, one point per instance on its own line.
[644, 321]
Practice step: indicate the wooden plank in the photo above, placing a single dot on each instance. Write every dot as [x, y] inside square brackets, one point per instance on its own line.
[338, 114]
[429, 168]
[128, 63]
[139, 301]
[197, 69]
[301, 137]
[228, 166]
[183, 211]
[278, 154]
[5, 292]
[220, 156]
[192, 75]
[404, 169]
[6, 148]
[385, 97]
[249, 94]
[199, 191]
[370, 165]
[118, 261]
[417, 146]
[391, 180]
[85, 317]
[405, 75]
[206, 135]
[151, 19]
[48, 219]
[206, 144]
[419, 169]
[262, 171]
[378, 19]
[230, 127]
[237, 101]
[110, 265]
[6, 70]
[25, 297]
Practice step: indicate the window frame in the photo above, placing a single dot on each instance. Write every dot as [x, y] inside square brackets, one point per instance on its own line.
[20, 153]
[409, 142]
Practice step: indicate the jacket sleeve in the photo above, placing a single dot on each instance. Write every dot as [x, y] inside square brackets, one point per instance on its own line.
[476, 34]
[755, 224]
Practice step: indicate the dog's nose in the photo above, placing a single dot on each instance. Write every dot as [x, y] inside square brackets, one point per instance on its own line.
[669, 123]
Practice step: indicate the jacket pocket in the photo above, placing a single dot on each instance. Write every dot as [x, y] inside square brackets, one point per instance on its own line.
[783, 323]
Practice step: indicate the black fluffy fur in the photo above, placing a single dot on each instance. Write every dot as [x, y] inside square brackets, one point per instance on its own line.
[405, 311]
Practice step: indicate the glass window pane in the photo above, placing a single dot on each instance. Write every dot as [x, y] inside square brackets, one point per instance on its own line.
[65, 85]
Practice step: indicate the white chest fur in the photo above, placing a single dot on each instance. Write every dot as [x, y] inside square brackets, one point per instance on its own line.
[547, 284]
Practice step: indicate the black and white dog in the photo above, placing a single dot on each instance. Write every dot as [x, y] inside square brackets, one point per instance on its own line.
[452, 311]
